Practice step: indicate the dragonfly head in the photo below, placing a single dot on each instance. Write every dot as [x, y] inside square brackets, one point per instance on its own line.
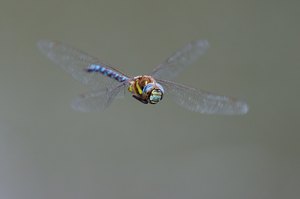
[154, 92]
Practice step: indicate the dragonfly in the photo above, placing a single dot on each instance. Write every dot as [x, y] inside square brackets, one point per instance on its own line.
[147, 89]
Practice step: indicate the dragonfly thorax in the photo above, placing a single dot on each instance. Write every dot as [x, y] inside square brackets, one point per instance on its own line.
[146, 89]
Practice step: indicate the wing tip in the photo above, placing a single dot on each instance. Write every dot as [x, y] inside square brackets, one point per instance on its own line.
[76, 104]
[202, 43]
[44, 45]
[235, 107]
[243, 108]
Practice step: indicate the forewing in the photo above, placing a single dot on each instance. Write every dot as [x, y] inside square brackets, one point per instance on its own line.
[177, 62]
[75, 62]
[202, 101]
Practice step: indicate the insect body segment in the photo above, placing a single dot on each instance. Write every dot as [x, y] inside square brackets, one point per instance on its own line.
[106, 72]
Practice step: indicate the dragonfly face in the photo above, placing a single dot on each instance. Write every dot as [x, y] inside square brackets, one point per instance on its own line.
[146, 89]
[154, 92]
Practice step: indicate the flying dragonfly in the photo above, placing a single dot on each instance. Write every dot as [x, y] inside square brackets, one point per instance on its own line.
[107, 82]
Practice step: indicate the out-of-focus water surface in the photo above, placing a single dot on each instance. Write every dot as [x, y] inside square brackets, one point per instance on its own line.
[49, 151]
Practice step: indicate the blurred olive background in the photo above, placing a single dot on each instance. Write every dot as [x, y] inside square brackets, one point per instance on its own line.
[48, 150]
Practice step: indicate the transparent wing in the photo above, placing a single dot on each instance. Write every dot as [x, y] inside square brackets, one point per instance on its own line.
[74, 62]
[202, 101]
[97, 100]
[177, 62]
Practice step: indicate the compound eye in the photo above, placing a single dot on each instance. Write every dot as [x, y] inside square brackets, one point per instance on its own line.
[148, 88]
[160, 87]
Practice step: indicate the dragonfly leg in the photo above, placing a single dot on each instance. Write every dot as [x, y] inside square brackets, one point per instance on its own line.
[140, 99]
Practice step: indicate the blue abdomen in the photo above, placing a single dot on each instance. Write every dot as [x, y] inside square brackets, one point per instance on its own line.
[106, 72]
